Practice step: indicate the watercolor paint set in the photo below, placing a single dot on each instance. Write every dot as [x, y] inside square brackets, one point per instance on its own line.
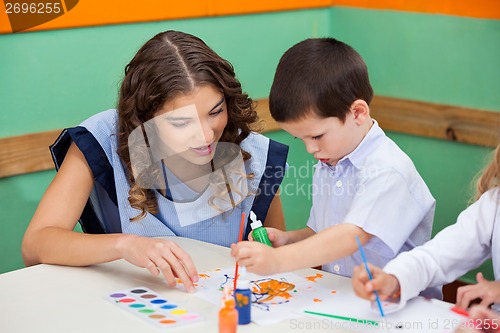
[153, 308]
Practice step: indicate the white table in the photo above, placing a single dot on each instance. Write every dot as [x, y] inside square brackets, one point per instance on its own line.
[53, 299]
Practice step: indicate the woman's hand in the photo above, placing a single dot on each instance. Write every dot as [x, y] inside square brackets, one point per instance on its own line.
[160, 255]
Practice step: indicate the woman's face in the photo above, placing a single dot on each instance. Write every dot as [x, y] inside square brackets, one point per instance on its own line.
[191, 125]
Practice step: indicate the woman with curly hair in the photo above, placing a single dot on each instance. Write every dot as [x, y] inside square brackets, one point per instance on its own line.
[178, 157]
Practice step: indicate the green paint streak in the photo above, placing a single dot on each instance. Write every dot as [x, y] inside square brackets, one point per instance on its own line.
[361, 321]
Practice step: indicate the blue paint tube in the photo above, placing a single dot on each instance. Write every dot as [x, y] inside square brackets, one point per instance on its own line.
[243, 299]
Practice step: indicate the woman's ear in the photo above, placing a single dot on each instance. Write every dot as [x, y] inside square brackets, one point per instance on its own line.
[360, 111]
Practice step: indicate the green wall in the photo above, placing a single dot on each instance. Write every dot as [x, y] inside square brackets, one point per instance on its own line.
[55, 79]
[434, 58]
[52, 79]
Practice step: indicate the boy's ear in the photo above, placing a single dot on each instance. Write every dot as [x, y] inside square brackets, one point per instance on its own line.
[360, 111]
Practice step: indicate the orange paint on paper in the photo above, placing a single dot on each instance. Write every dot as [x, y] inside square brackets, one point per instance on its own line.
[179, 281]
[334, 291]
[273, 288]
[204, 276]
[314, 277]
[317, 300]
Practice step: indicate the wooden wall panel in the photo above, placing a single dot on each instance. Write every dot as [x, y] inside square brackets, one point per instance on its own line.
[30, 153]
[26, 153]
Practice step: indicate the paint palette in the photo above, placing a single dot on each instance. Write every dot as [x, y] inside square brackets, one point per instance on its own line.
[155, 309]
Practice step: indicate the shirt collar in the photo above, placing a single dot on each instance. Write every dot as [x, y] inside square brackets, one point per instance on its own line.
[358, 156]
[371, 140]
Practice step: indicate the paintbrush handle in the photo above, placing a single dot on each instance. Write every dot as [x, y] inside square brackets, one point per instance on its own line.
[377, 298]
[362, 321]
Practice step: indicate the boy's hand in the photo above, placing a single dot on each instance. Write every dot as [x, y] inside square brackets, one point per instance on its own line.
[277, 237]
[256, 257]
[487, 291]
[386, 285]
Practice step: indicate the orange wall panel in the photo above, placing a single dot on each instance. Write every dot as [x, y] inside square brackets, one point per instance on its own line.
[485, 9]
[80, 13]
[99, 12]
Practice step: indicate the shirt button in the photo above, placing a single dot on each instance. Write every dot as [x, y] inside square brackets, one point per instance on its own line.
[338, 184]
[336, 268]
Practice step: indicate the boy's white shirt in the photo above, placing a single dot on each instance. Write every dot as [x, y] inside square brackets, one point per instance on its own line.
[377, 188]
[463, 246]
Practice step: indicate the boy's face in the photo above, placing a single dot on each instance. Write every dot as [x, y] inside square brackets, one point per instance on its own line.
[328, 139]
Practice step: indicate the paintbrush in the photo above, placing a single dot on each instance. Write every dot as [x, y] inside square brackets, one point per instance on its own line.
[377, 298]
[240, 238]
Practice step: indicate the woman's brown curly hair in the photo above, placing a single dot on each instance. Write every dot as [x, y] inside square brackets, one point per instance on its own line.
[169, 64]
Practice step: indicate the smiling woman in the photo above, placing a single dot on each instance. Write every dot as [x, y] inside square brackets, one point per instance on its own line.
[192, 124]
[177, 158]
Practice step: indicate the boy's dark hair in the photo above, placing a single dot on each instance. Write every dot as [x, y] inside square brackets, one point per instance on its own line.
[320, 75]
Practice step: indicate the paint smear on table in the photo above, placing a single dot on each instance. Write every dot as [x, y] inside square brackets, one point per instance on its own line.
[274, 298]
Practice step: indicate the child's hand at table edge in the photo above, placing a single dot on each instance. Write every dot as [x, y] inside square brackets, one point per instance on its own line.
[487, 291]
[256, 257]
[482, 319]
[385, 284]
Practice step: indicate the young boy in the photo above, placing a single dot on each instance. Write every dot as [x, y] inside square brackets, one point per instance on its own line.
[363, 185]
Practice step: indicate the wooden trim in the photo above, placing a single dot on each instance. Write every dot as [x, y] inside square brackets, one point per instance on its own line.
[465, 125]
[26, 153]
[29, 153]
[267, 123]
[454, 123]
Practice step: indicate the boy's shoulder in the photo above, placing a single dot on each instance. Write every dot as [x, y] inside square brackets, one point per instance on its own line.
[389, 154]
[384, 155]
[377, 149]
[390, 157]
